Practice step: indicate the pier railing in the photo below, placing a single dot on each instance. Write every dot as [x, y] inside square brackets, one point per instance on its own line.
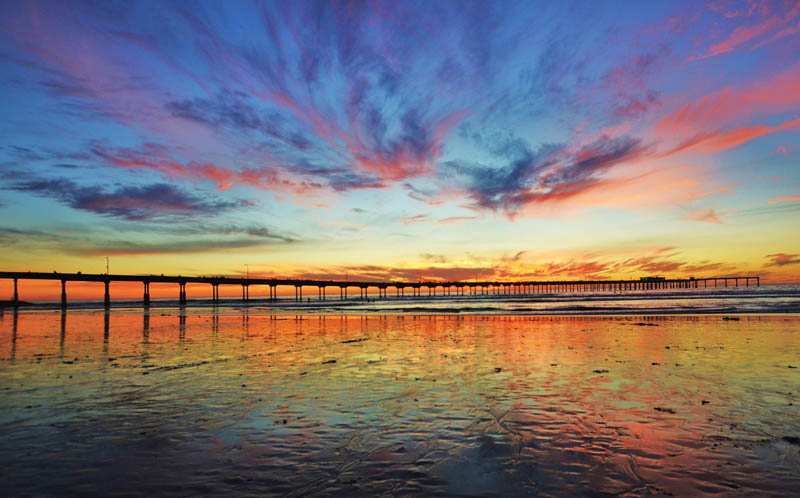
[415, 289]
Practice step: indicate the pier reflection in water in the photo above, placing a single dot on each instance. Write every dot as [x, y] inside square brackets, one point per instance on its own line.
[198, 402]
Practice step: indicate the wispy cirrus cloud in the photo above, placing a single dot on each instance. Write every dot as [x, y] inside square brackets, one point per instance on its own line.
[507, 108]
[193, 246]
[235, 113]
[132, 203]
[727, 107]
[382, 131]
[269, 175]
[597, 264]
[410, 274]
[719, 141]
[10, 236]
[764, 24]
[450, 220]
[550, 173]
[414, 218]
[192, 237]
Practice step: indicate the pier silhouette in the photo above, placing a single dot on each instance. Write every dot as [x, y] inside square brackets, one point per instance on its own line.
[402, 289]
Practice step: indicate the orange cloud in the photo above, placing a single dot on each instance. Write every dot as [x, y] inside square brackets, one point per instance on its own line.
[783, 259]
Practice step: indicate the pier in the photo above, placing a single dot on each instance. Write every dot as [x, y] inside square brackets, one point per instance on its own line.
[401, 290]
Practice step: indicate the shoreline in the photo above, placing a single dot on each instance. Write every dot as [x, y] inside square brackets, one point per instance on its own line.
[176, 311]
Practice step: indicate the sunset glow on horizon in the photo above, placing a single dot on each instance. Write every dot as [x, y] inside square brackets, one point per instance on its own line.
[400, 140]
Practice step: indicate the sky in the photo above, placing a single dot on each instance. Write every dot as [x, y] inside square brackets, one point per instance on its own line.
[401, 140]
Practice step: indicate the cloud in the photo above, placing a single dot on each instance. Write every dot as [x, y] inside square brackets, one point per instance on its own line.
[325, 98]
[411, 274]
[199, 228]
[778, 24]
[127, 248]
[252, 231]
[10, 236]
[719, 141]
[434, 258]
[526, 265]
[304, 180]
[632, 107]
[741, 35]
[705, 215]
[626, 83]
[132, 203]
[548, 174]
[234, 113]
[342, 116]
[38, 154]
[413, 152]
[784, 198]
[727, 106]
[450, 220]
[649, 264]
[425, 195]
[705, 266]
[187, 237]
[577, 269]
[259, 232]
[413, 219]
[714, 122]
[783, 259]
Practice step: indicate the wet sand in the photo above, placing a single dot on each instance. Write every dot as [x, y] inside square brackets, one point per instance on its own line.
[245, 402]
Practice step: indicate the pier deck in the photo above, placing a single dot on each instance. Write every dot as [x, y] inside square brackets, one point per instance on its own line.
[415, 289]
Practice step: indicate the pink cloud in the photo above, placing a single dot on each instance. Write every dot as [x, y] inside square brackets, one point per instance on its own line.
[718, 141]
[784, 198]
[741, 35]
[86, 64]
[728, 105]
[155, 158]
[406, 159]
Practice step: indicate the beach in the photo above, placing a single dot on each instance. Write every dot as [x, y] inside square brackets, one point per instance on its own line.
[250, 401]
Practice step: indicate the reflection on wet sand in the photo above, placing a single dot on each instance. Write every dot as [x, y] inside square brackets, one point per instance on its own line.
[194, 401]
